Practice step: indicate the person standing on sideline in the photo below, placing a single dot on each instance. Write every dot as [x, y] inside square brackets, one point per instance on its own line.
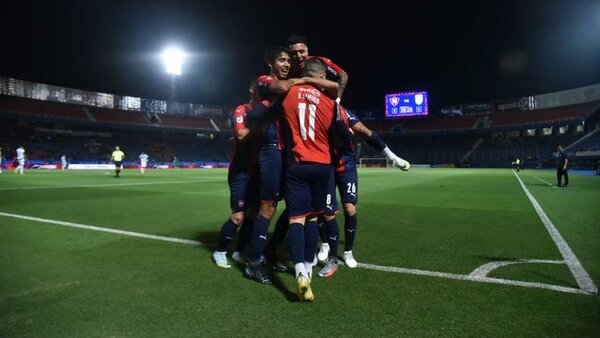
[117, 157]
[20, 160]
[143, 162]
[0, 160]
[561, 167]
[63, 162]
[517, 164]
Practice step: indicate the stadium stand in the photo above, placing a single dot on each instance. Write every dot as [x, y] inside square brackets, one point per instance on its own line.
[54, 110]
[543, 116]
[186, 122]
[105, 115]
[88, 131]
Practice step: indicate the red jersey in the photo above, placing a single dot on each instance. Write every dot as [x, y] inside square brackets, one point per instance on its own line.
[262, 85]
[309, 114]
[273, 129]
[242, 153]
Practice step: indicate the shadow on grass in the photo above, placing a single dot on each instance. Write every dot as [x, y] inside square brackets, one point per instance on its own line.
[210, 240]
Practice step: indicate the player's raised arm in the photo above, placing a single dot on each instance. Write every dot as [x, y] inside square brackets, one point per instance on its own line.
[330, 88]
[337, 72]
[374, 140]
[279, 87]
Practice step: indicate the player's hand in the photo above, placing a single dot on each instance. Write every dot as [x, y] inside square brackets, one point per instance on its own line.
[401, 163]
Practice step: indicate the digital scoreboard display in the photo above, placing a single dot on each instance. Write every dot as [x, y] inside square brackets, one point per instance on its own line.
[406, 104]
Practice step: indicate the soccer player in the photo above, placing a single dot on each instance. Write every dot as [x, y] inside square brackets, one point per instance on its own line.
[0, 160]
[117, 157]
[243, 190]
[345, 177]
[269, 162]
[21, 160]
[309, 114]
[63, 162]
[561, 167]
[143, 162]
[298, 49]
[270, 156]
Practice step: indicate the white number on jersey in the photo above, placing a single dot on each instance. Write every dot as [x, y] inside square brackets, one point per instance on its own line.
[312, 114]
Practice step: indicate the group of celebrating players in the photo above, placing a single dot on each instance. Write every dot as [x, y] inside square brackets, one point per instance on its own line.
[293, 140]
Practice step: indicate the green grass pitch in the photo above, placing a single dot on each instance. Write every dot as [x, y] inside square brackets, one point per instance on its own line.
[421, 234]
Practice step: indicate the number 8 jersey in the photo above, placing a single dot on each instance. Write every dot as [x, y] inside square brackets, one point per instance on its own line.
[309, 114]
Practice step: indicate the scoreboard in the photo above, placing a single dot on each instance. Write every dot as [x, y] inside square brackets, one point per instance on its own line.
[406, 104]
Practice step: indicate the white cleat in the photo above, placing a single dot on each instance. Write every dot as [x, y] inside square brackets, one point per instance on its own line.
[349, 259]
[221, 259]
[323, 252]
[401, 164]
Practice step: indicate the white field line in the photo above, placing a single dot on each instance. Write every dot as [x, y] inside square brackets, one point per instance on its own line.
[485, 269]
[581, 276]
[548, 183]
[104, 185]
[95, 228]
[473, 278]
[361, 265]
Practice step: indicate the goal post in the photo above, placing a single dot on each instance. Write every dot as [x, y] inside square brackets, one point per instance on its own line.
[374, 162]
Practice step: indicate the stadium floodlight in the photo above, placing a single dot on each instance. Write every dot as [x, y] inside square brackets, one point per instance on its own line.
[173, 59]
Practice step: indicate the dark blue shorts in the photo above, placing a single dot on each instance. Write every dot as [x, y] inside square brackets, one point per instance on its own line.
[306, 188]
[347, 184]
[243, 191]
[270, 168]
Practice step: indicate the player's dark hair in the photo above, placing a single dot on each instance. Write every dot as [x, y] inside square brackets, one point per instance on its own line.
[273, 52]
[313, 67]
[294, 39]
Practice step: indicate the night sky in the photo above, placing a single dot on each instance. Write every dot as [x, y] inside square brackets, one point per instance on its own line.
[459, 51]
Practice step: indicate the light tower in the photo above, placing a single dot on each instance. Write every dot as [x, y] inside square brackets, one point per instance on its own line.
[173, 59]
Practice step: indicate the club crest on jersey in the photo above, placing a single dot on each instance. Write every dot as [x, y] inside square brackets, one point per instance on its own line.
[241, 203]
[394, 100]
[239, 119]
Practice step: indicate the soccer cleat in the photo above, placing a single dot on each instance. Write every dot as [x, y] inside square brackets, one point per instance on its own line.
[239, 257]
[258, 274]
[221, 259]
[323, 252]
[401, 164]
[349, 259]
[329, 269]
[304, 291]
[277, 264]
